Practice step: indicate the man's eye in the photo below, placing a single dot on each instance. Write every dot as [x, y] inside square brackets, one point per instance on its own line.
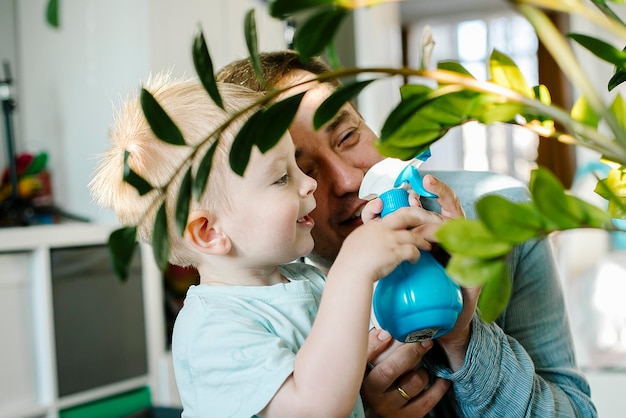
[282, 180]
[349, 138]
[311, 173]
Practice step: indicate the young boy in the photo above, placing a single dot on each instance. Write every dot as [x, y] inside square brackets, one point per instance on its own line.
[245, 343]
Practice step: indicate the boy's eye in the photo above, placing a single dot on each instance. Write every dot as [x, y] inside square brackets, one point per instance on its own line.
[282, 180]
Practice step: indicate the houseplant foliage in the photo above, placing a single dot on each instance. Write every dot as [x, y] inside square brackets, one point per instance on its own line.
[479, 247]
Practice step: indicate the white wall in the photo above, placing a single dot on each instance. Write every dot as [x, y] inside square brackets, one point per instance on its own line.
[71, 77]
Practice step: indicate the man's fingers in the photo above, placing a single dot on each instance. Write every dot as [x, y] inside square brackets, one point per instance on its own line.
[403, 359]
[378, 341]
[450, 204]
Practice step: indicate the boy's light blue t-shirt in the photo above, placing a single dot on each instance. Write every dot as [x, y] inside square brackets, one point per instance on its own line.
[234, 346]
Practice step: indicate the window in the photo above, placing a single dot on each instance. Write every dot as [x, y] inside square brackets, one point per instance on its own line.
[501, 148]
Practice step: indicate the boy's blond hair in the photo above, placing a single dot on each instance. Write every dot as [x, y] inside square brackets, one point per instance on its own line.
[196, 115]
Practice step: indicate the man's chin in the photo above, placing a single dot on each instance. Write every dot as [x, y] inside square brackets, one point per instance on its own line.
[351, 225]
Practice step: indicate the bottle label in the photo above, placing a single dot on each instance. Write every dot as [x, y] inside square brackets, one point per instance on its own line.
[421, 335]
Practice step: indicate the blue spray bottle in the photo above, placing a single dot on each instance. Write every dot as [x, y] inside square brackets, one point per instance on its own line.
[415, 302]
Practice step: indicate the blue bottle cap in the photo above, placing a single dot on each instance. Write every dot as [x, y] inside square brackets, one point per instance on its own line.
[394, 199]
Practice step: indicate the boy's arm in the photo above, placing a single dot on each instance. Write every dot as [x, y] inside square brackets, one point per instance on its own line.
[330, 365]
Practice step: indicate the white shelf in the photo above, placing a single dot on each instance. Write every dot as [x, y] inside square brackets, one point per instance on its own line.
[29, 384]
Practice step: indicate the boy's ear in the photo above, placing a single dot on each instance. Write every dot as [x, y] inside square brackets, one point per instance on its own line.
[202, 232]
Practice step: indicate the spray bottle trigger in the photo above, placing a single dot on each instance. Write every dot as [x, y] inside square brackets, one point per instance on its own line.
[411, 175]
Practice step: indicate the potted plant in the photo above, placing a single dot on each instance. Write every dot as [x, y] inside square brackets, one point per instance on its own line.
[478, 247]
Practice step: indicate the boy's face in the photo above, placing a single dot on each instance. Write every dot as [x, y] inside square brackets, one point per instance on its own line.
[269, 220]
[337, 156]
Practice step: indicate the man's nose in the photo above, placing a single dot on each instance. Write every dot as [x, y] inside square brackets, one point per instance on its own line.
[345, 177]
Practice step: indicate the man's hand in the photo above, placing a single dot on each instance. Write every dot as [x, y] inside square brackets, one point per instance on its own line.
[396, 386]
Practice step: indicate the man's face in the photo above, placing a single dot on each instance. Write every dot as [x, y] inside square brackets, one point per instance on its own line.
[337, 156]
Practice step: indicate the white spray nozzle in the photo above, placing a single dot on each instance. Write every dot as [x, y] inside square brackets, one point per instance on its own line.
[393, 173]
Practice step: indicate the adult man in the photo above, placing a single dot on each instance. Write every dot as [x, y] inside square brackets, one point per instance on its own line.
[521, 365]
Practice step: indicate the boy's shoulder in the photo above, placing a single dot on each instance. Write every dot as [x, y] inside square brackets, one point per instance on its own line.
[300, 271]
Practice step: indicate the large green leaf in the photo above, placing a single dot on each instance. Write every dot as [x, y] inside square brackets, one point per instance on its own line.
[161, 239]
[284, 8]
[411, 138]
[264, 129]
[183, 201]
[317, 31]
[204, 169]
[134, 179]
[204, 68]
[471, 238]
[549, 197]
[600, 49]
[275, 120]
[329, 107]
[509, 221]
[121, 245]
[505, 72]
[161, 124]
[488, 108]
[252, 44]
[414, 97]
[495, 295]
[474, 271]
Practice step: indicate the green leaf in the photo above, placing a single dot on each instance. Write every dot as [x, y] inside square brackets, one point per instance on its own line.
[488, 108]
[161, 239]
[52, 13]
[204, 68]
[494, 296]
[264, 129]
[613, 188]
[411, 138]
[414, 97]
[474, 271]
[454, 66]
[161, 124]
[505, 73]
[509, 221]
[204, 169]
[542, 94]
[471, 238]
[242, 145]
[122, 244]
[600, 49]
[284, 8]
[329, 107]
[583, 113]
[449, 110]
[409, 91]
[275, 121]
[317, 31]
[618, 78]
[252, 44]
[549, 197]
[592, 216]
[182, 203]
[134, 179]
